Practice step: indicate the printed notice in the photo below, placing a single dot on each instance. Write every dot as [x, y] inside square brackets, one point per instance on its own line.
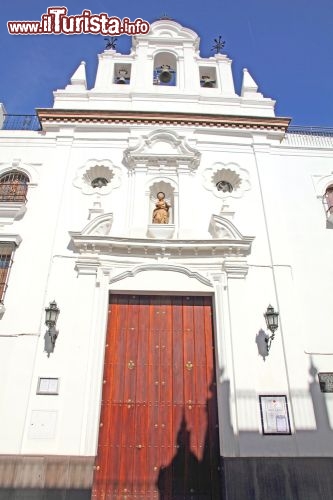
[274, 415]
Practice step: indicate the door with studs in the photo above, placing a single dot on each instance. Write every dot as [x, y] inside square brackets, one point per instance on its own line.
[158, 435]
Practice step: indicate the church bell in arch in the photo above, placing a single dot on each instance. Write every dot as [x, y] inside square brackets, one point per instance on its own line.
[122, 76]
[208, 82]
[165, 73]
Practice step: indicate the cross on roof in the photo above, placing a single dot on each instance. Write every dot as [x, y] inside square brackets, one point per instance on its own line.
[110, 42]
[219, 44]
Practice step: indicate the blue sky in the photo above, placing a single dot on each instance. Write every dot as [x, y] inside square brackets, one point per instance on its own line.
[287, 45]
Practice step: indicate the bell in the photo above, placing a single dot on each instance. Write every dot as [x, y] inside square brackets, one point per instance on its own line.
[165, 75]
[207, 82]
[122, 76]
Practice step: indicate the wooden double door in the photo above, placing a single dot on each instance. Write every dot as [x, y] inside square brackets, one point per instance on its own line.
[158, 434]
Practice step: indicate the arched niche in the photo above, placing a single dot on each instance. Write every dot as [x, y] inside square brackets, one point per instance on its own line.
[170, 190]
[165, 187]
[165, 69]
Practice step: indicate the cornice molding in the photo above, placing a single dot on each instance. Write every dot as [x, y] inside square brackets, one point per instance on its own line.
[96, 249]
[146, 254]
[11, 211]
[144, 248]
[235, 268]
[105, 117]
[11, 238]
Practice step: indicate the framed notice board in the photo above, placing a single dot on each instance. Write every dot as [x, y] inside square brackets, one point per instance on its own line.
[274, 415]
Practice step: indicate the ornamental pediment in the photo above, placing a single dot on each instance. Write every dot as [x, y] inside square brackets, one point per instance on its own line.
[96, 246]
[223, 229]
[99, 226]
[168, 29]
[161, 146]
[150, 248]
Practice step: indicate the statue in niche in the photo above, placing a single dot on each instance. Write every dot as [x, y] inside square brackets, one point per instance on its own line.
[161, 212]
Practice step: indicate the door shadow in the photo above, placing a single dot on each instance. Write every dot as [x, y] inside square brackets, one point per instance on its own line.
[188, 477]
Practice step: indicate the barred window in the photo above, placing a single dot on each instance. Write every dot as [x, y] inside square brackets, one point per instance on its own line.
[6, 259]
[14, 187]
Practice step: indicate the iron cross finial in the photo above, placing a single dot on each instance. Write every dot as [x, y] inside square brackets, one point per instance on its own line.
[219, 44]
[110, 42]
[165, 17]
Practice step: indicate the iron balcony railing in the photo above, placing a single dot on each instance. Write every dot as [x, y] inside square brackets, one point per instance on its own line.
[13, 192]
[309, 130]
[21, 122]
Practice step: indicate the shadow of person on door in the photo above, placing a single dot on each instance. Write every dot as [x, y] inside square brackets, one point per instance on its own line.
[193, 473]
[179, 477]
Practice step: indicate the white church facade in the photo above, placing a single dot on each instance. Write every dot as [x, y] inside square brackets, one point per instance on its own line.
[163, 214]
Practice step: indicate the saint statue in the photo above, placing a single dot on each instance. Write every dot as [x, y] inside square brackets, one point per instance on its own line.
[161, 212]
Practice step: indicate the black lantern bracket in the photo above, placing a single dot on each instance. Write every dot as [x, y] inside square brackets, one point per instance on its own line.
[272, 322]
[51, 317]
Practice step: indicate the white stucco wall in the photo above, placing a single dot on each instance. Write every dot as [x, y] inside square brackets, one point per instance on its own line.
[289, 266]
[278, 203]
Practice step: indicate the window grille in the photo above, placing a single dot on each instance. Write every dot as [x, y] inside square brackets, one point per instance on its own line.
[14, 187]
[6, 260]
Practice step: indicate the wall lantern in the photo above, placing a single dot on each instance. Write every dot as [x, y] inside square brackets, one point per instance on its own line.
[272, 322]
[51, 316]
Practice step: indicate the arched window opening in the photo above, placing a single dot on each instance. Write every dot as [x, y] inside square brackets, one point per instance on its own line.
[14, 187]
[165, 69]
[163, 209]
